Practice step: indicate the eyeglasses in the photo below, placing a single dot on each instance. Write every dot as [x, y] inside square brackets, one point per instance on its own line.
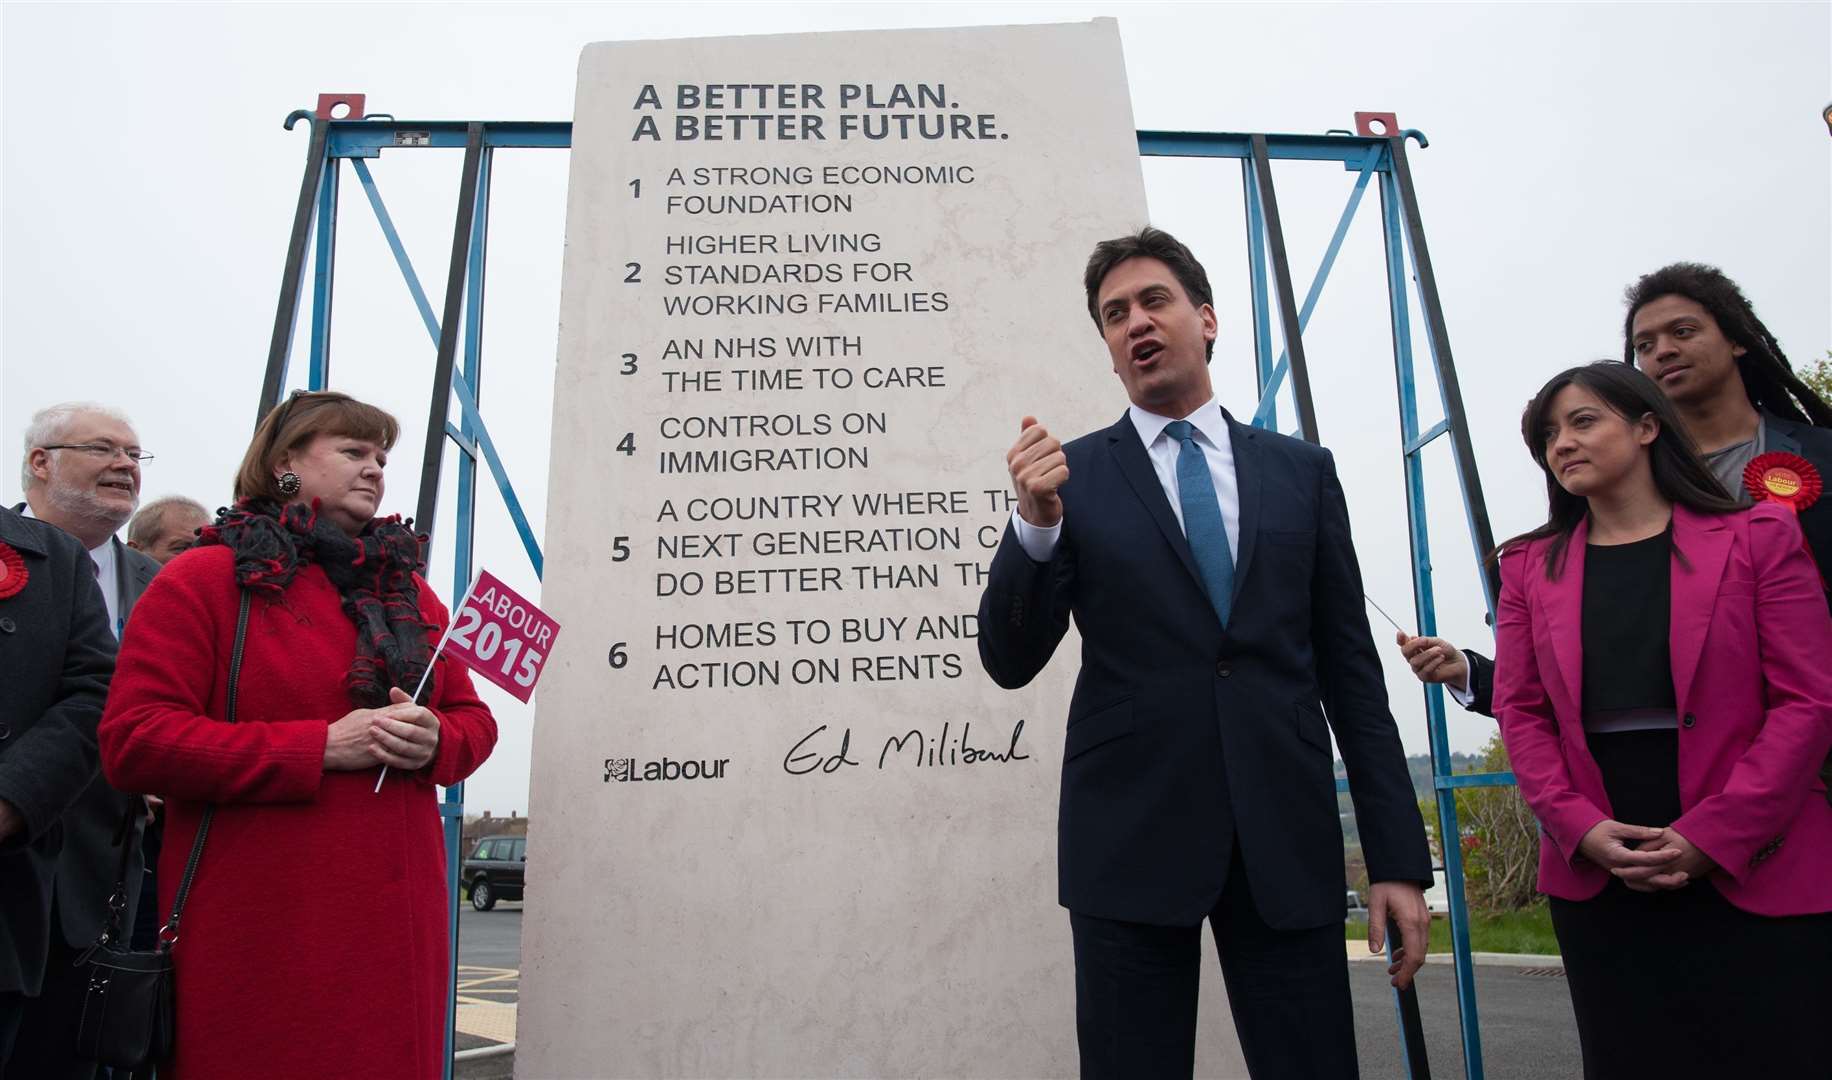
[106, 450]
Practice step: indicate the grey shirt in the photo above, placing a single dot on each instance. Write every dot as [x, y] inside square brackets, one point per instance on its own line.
[1730, 462]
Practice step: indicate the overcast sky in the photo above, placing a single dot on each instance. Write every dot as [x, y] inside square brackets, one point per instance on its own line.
[146, 192]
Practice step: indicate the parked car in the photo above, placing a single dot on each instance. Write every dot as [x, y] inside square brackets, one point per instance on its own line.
[495, 871]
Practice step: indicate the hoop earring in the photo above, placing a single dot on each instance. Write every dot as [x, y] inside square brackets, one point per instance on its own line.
[289, 483]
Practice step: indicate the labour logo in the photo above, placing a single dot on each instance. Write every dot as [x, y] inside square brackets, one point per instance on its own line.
[632, 771]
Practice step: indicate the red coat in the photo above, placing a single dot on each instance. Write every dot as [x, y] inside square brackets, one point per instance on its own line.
[1750, 637]
[314, 941]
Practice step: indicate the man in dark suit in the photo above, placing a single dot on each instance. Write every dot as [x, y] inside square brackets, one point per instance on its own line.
[1209, 569]
[56, 656]
[1690, 329]
[81, 473]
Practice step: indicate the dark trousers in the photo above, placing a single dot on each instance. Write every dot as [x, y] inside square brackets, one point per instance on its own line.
[1684, 984]
[12, 1010]
[45, 1048]
[1136, 989]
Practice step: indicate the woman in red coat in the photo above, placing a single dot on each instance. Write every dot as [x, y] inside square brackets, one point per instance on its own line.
[1661, 682]
[313, 941]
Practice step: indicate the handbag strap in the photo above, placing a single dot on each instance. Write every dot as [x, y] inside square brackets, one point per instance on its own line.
[125, 838]
[168, 934]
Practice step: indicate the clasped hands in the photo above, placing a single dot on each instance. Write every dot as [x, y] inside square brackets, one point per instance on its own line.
[1644, 858]
[400, 735]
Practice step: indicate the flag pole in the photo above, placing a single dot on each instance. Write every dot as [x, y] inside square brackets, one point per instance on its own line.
[451, 623]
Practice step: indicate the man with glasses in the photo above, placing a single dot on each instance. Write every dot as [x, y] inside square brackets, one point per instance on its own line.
[81, 473]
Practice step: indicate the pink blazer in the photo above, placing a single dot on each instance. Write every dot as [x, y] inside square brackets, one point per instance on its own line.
[1751, 643]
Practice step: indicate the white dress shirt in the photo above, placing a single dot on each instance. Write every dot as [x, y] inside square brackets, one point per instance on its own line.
[1211, 434]
[1461, 692]
[104, 559]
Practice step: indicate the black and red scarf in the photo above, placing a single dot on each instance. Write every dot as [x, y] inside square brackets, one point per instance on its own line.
[373, 572]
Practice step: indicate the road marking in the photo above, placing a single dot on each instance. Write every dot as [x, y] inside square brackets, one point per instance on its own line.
[481, 1012]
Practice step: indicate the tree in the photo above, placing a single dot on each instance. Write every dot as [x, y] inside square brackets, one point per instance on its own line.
[1499, 842]
[1818, 375]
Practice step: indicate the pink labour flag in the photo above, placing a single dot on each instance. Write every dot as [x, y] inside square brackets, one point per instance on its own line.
[501, 636]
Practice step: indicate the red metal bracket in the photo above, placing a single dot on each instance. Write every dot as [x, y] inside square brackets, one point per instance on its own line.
[354, 104]
[1378, 124]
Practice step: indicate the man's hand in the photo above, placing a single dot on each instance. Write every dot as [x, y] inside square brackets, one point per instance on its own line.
[405, 735]
[1609, 844]
[1691, 864]
[10, 821]
[1435, 660]
[153, 803]
[1404, 903]
[1038, 469]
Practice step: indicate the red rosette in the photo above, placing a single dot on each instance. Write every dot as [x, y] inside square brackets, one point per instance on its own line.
[1784, 478]
[13, 574]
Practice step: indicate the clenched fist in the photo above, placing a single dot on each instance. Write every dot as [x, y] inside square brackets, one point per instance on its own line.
[1038, 471]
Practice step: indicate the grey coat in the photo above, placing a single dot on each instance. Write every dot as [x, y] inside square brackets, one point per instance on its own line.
[56, 657]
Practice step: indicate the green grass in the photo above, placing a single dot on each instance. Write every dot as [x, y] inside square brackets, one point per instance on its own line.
[1526, 931]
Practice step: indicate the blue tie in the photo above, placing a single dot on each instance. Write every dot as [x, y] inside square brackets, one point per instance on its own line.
[1202, 523]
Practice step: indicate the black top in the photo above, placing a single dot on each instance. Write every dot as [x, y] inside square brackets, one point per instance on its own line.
[1628, 608]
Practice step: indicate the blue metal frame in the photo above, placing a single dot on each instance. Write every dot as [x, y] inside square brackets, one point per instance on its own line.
[1449, 835]
[324, 263]
[469, 436]
[357, 141]
[1262, 316]
[1370, 157]
[1266, 416]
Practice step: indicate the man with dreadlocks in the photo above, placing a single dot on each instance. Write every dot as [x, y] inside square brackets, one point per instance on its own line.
[1690, 329]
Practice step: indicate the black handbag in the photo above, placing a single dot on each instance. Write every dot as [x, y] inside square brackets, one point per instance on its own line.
[129, 1016]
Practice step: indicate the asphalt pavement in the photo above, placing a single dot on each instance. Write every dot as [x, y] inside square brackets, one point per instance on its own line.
[1527, 1030]
[489, 969]
[491, 938]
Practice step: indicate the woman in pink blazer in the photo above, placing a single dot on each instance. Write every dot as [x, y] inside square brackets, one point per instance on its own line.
[1664, 685]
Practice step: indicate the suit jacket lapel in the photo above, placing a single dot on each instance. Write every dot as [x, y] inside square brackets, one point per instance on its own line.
[1129, 454]
[1562, 600]
[13, 532]
[1247, 474]
[1778, 434]
[1705, 541]
[130, 578]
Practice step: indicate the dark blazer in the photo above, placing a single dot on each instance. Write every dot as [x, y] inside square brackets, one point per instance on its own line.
[1182, 736]
[56, 656]
[1814, 444]
[1788, 436]
[86, 874]
[134, 571]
